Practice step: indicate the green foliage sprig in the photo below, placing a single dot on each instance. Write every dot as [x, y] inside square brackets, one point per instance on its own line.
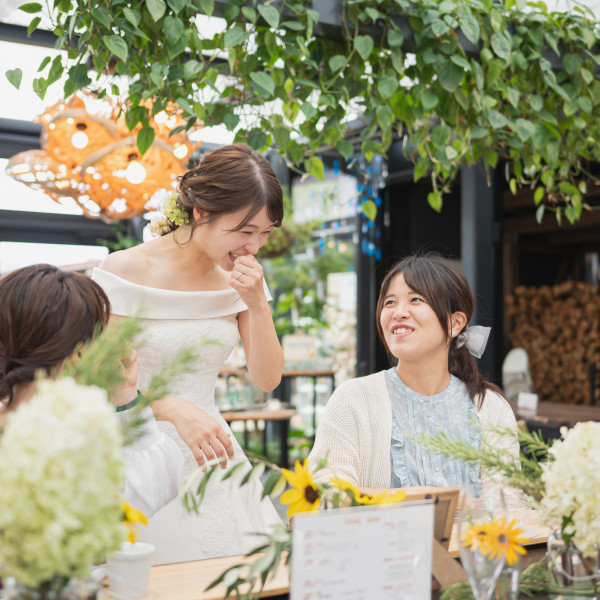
[524, 475]
[533, 580]
[102, 362]
[463, 81]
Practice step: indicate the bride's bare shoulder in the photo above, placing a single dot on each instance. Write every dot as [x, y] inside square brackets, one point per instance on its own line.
[129, 263]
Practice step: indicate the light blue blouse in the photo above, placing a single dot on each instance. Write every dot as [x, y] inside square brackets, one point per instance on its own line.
[413, 415]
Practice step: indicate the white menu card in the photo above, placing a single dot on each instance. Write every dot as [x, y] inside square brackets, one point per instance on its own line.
[379, 552]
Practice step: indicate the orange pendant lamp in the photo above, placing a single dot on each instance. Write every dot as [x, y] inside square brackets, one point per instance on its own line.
[89, 155]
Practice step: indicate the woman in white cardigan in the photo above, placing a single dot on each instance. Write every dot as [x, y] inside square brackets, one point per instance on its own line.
[370, 427]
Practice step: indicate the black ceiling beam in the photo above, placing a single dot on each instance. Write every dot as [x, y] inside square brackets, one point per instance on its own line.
[49, 228]
[18, 35]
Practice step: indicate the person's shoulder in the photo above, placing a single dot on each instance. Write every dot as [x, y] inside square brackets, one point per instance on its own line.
[127, 264]
[496, 406]
[357, 389]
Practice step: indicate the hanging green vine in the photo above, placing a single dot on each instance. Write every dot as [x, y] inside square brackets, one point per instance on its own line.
[460, 80]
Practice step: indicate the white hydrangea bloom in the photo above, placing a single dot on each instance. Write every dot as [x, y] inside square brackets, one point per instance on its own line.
[60, 472]
[572, 483]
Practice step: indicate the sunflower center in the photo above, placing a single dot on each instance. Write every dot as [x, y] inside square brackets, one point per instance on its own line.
[502, 538]
[311, 494]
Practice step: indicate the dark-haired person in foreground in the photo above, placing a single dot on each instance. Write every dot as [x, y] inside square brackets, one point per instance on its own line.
[369, 428]
[45, 314]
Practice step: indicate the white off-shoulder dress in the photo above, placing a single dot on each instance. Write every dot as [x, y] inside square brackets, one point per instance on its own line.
[231, 520]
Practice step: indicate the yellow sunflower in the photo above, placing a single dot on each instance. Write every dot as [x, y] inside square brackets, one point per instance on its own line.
[505, 538]
[382, 498]
[304, 495]
[346, 486]
[131, 517]
[475, 536]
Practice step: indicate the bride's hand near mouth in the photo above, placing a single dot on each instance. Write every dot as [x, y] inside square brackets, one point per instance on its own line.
[247, 280]
[264, 357]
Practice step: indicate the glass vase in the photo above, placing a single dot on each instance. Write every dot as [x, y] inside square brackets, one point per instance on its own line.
[571, 575]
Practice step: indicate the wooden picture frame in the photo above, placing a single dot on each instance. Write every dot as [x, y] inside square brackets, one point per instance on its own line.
[446, 569]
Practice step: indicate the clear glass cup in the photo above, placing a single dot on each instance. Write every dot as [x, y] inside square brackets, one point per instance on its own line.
[482, 566]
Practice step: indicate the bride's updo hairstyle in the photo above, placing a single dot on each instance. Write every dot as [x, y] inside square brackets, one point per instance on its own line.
[45, 313]
[229, 179]
[447, 291]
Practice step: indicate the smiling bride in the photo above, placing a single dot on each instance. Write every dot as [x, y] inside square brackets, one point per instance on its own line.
[199, 285]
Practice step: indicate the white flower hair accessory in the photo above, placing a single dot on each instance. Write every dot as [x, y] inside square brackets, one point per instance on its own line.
[475, 339]
[159, 225]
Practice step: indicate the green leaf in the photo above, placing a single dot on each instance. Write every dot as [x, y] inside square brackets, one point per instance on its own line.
[31, 8]
[264, 83]
[14, 76]
[478, 132]
[369, 209]
[470, 27]
[450, 75]
[33, 25]
[177, 5]
[132, 15]
[156, 8]
[539, 213]
[293, 25]
[116, 45]
[538, 195]
[497, 120]
[493, 71]
[501, 45]
[145, 137]
[429, 100]
[513, 96]
[421, 167]
[336, 62]
[191, 69]
[512, 184]
[282, 137]
[387, 86]
[270, 14]
[385, 116]
[345, 148]
[364, 45]
[435, 201]
[206, 6]
[572, 63]
[536, 102]
[450, 152]
[101, 14]
[235, 36]
[490, 158]
[270, 42]
[249, 14]
[272, 478]
[79, 77]
[395, 38]
[173, 29]
[308, 110]
[314, 166]
[44, 63]
[586, 104]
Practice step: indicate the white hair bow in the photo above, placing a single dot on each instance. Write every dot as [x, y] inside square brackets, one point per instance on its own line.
[475, 339]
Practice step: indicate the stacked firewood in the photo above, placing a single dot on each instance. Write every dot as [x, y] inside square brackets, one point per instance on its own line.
[559, 327]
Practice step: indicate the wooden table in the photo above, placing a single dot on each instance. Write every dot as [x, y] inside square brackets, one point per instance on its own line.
[551, 416]
[282, 416]
[188, 580]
